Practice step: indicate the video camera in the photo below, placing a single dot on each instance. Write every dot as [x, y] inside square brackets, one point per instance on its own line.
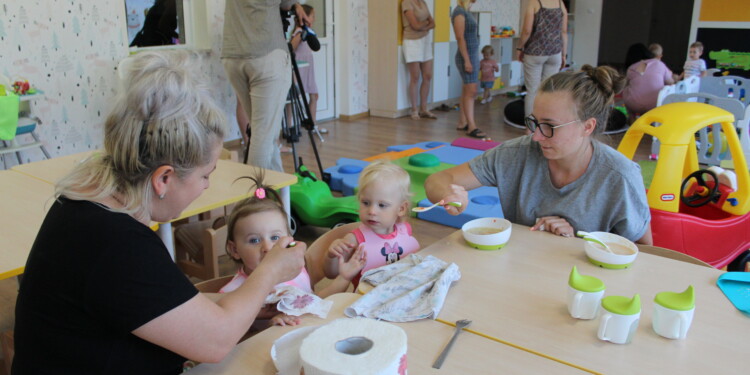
[308, 34]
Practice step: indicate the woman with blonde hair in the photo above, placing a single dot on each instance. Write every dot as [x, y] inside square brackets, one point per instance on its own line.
[100, 292]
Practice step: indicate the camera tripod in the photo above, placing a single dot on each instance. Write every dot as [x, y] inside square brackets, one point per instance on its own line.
[297, 115]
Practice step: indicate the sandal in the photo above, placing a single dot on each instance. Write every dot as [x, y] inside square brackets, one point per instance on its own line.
[463, 128]
[415, 115]
[427, 114]
[477, 133]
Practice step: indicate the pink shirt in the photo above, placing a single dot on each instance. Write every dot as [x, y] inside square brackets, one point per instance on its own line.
[488, 67]
[385, 249]
[643, 88]
[302, 281]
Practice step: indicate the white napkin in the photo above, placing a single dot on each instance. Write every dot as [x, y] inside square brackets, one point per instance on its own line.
[295, 301]
[412, 289]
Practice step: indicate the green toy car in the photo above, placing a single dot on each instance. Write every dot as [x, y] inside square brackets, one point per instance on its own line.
[313, 204]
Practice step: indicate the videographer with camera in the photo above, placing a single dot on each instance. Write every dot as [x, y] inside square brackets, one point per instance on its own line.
[257, 62]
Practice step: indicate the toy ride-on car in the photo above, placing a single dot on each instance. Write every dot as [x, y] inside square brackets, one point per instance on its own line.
[313, 204]
[694, 210]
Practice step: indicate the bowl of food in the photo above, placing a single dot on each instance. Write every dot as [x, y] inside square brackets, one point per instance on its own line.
[621, 254]
[488, 233]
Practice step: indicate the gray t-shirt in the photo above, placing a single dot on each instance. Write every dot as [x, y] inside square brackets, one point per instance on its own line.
[252, 28]
[608, 197]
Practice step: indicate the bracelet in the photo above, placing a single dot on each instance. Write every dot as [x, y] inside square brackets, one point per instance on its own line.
[520, 49]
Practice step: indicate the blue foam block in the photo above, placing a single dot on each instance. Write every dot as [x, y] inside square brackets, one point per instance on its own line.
[345, 174]
[454, 155]
[422, 145]
[483, 202]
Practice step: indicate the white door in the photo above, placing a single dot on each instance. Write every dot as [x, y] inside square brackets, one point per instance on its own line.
[324, 61]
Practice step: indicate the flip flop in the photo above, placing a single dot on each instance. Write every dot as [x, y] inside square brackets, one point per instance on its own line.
[477, 133]
[464, 128]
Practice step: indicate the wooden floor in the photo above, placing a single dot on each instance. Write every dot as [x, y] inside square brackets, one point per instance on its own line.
[359, 139]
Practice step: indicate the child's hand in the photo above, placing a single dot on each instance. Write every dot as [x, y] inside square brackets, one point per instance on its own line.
[285, 320]
[349, 269]
[267, 312]
[340, 248]
[457, 194]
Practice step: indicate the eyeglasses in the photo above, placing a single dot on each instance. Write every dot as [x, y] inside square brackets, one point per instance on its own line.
[547, 130]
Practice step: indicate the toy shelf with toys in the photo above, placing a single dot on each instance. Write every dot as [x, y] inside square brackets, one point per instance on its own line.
[16, 123]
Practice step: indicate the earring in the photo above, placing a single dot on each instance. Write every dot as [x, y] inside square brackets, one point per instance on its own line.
[162, 196]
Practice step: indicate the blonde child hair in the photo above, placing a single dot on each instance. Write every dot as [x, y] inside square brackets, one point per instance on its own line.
[488, 49]
[697, 45]
[267, 201]
[384, 170]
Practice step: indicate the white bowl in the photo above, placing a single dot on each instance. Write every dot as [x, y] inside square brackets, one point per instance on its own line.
[624, 251]
[488, 233]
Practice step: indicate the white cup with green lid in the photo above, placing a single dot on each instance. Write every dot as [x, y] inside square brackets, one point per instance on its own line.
[673, 313]
[620, 316]
[584, 295]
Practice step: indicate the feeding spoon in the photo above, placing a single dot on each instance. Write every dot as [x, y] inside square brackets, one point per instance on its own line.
[590, 237]
[440, 203]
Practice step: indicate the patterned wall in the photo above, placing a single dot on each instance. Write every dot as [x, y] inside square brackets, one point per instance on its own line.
[70, 50]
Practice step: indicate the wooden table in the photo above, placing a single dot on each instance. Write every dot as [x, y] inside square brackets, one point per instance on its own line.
[471, 354]
[41, 176]
[23, 204]
[518, 294]
[222, 190]
[51, 170]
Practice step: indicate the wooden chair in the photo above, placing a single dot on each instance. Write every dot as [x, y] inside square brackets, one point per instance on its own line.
[205, 264]
[213, 285]
[315, 256]
[212, 240]
[671, 254]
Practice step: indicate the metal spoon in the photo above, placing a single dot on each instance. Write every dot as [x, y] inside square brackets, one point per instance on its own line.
[460, 325]
[440, 203]
[590, 237]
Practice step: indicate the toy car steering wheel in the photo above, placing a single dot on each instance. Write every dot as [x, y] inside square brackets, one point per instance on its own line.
[703, 196]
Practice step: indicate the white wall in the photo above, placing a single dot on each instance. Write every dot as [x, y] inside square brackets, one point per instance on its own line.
[351, 56]
[587, 18]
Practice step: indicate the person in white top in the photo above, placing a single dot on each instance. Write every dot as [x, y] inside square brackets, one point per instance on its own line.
[694, 65]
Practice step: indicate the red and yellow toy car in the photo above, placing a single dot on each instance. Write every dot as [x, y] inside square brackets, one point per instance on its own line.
[693, 210]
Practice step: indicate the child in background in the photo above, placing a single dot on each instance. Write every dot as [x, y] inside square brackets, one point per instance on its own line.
[384, 233]
[488, 67]
[694, 66]
[253, 227]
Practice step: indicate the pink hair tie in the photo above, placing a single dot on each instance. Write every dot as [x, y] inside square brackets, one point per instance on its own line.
[260, 193]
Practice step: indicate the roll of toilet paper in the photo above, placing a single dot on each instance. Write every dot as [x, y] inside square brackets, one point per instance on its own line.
[355, 346]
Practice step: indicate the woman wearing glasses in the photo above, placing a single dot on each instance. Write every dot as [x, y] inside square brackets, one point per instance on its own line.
[559, 178]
